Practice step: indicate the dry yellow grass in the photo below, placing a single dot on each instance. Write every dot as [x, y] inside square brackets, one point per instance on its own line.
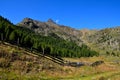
[50, 70]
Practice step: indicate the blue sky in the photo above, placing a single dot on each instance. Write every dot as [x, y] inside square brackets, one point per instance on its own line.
[79, 14]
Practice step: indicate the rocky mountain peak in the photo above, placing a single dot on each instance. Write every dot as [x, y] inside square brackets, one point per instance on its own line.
[29, 23]
[27, 20]
[51, 21]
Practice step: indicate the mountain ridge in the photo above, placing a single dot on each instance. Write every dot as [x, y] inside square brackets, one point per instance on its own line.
[51, 45]
[92, 38]
[45, 28]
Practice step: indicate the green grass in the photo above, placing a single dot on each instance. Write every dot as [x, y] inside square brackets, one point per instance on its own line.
[109, 70]
[105, 75]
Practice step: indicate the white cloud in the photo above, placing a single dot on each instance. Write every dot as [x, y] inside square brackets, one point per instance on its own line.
[57, 21]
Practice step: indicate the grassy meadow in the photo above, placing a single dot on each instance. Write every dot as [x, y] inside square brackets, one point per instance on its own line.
[18, 64]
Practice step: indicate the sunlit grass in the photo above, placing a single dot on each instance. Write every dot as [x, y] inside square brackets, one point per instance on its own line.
[110, 69]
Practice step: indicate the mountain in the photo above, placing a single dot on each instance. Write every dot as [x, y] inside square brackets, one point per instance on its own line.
[106, 40]
[26, 54]
[63, 39]
[103, 41]
[48, 45]
[52, 28]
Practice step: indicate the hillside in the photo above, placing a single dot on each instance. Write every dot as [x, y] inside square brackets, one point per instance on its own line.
[46, 55]
[106, 40]
[17, 63]
[47, 45]
[52, 28]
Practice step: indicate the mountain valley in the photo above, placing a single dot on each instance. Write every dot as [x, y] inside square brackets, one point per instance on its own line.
[36, 50]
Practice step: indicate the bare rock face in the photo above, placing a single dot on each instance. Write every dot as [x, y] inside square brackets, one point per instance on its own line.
[50, 27]
[51, 21]
[29, 23]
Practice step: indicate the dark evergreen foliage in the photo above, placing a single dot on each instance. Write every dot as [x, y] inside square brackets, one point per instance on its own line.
[47, 45]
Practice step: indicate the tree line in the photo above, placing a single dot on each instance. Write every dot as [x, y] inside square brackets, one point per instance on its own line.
[49, 45]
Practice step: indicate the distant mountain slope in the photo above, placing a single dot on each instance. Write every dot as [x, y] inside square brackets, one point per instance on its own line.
[107, 40]
[103, 41]
[51, 28]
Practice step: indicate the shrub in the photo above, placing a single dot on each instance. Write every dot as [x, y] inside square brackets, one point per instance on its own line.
[4, 63]
[102, 78]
